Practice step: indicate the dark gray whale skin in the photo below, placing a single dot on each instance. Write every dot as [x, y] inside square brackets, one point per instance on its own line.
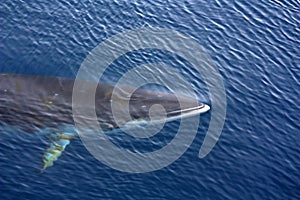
[37, 104]
[33, 102]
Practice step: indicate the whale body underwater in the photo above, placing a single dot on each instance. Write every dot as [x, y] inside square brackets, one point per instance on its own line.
[33, 103]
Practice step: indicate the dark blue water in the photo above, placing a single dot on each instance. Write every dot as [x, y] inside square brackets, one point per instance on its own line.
[255, 46]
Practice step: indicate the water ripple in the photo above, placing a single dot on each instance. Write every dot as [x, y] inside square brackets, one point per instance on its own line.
[255, 45]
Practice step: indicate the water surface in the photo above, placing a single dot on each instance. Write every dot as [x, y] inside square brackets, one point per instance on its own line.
[255, 46]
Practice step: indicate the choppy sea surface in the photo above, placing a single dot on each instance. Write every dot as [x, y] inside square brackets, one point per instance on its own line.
[254, 45]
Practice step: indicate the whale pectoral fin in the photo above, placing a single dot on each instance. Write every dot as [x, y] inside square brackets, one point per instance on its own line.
[59, 141]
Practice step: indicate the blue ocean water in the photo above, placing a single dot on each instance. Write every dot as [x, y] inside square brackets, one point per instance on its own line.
[255, 46]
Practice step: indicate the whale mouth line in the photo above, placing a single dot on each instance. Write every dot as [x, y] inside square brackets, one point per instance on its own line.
[188, 112]
[197, 109]
[174, 115]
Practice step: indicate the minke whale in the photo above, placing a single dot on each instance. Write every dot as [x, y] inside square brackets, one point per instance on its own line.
[33, 103]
